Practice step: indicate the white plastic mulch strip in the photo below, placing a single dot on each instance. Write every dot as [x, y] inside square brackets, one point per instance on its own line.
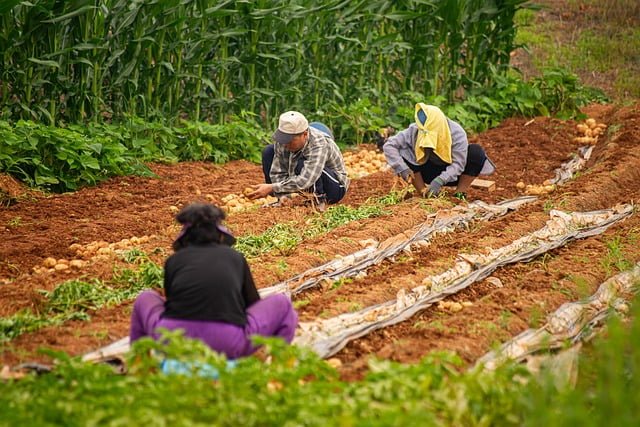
[352, 264]
[565, 172]
[112, 351]
[328, 336]
[570, 324]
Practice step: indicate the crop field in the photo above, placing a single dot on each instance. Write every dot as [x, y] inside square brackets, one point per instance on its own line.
[514, 306]
[100, 235]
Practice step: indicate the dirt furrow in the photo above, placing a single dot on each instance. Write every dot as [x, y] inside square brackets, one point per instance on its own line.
[514, 298]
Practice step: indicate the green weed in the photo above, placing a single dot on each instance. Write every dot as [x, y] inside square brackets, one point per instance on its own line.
[284, 238]
[583, 286]
[537, 315]
[615, 260]
[15, 221]
[301, 303]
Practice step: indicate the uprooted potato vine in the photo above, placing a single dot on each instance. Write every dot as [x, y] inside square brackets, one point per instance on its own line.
[284, 237]
[73, 299]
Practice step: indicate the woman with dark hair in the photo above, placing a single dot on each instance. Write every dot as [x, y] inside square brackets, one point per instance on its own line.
[210, 293]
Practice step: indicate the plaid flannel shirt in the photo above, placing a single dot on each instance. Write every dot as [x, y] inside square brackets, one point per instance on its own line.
[318, 153]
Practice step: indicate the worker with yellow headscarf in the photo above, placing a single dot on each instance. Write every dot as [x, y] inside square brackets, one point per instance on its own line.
[435, 150]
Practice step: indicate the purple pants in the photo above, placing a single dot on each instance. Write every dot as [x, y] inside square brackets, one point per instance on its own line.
[272, 316]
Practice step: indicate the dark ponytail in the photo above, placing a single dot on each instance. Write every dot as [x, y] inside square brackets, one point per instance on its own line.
[202, 224]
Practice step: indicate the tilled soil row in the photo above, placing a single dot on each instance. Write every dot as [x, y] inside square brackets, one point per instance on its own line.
[520, 295]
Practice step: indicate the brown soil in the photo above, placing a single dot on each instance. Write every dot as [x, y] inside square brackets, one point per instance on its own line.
[40, 226]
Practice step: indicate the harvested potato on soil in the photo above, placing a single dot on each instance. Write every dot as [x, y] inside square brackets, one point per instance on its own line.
[589, 131]
[364, 162]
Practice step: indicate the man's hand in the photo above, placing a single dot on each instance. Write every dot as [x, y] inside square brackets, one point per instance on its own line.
[260, 190]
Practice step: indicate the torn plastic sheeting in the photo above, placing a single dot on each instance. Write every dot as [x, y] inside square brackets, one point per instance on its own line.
[565, 172]
[352, 264]
[114, 350]
[327, 337]
[574, 322]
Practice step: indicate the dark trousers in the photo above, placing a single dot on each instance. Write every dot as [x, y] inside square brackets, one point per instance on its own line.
[326, 187]
[431, 169]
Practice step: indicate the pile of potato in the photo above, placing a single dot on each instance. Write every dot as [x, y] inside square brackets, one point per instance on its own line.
[453, 306]
[364, 162]
[590, 130]
[535, 189]
[101, 247]
[88, 252]
[50, 264]
[239, 202]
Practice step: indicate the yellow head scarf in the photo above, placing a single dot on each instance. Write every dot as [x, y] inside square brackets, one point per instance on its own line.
[433, 132]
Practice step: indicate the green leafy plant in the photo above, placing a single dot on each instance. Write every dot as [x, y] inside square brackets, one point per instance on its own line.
[615, 257]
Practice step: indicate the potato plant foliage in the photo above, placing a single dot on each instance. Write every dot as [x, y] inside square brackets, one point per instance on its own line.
[294, 387]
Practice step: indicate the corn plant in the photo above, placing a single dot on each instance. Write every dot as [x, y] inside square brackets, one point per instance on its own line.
[207, 60]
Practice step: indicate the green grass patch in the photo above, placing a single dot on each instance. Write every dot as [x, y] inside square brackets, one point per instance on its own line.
[294, 388]
[605, 39]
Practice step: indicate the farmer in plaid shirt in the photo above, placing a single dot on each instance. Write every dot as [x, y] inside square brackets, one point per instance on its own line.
[303, 158]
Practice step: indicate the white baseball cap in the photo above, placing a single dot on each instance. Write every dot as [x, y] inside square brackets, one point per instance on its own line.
[291, 123]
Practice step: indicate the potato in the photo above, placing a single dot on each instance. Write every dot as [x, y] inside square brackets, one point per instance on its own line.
[49, 262]
[76, 263]
[105, 251]
[455, 307]
[585, 140]
[334, 362]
